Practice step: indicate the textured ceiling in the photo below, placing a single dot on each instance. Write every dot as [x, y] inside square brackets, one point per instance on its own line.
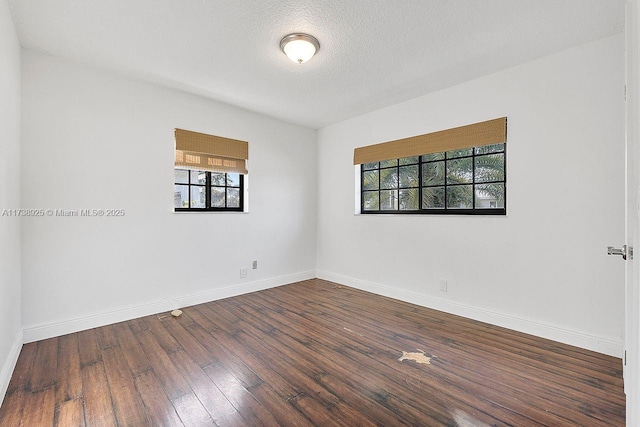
[374, 53]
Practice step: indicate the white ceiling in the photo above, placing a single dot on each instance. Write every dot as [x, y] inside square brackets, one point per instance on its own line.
[373, 53]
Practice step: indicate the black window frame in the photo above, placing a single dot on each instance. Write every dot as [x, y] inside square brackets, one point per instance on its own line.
[436, 211]
[208, 185]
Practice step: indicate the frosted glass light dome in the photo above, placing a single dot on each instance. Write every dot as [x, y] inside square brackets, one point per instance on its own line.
[299, 47]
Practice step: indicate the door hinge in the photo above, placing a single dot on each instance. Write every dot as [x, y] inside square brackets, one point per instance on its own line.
[625, 358]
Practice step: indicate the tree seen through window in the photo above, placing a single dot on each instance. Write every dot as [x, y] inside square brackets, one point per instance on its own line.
[470, 180]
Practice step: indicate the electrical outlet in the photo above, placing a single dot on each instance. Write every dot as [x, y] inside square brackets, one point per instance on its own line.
[255, 264]
[443, 285]
[243, 273]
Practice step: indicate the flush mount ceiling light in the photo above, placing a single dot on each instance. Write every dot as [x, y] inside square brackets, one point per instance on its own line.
[299, 47]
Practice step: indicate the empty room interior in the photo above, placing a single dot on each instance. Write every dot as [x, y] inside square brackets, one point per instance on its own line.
[328, 212]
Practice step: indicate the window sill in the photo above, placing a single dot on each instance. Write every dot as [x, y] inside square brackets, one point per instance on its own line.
[207, 212]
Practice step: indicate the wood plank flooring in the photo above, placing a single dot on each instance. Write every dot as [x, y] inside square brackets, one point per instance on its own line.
[310, 353]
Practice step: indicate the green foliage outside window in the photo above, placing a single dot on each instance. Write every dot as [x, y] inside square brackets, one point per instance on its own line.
[470, 180]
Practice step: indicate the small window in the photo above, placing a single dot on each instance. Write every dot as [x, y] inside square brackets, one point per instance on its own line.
[209, 172]
[465, 181]
[199, 191]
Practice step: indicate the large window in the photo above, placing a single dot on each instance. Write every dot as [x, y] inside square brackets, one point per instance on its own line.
[208, 191]
[466, 181]
[455, 171]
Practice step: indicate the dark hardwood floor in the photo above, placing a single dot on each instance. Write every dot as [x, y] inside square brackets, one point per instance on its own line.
[310, 353]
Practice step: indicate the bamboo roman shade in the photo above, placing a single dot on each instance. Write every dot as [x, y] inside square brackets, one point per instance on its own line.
[475, 135]
[199, 151]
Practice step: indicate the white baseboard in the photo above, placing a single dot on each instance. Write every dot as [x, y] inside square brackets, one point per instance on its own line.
[555, 333]
[566, 336]
[235, 290]
[10, 365]
[107, 317]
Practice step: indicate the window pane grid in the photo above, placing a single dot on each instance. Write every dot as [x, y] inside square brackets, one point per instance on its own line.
[200, 191]
[466, 181]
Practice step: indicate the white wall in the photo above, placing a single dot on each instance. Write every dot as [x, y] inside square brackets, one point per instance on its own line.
[541, 269]
[95, 140]
[10, 323]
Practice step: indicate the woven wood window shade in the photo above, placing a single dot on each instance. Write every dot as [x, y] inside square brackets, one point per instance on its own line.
[475, 135]
[199, 151]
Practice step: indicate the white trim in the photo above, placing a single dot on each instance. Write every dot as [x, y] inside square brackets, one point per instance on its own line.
[107, 317]
[567, 336]
[357, 191]
[10, 365]
[241, 289]
[555, 333]
[632, 279]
